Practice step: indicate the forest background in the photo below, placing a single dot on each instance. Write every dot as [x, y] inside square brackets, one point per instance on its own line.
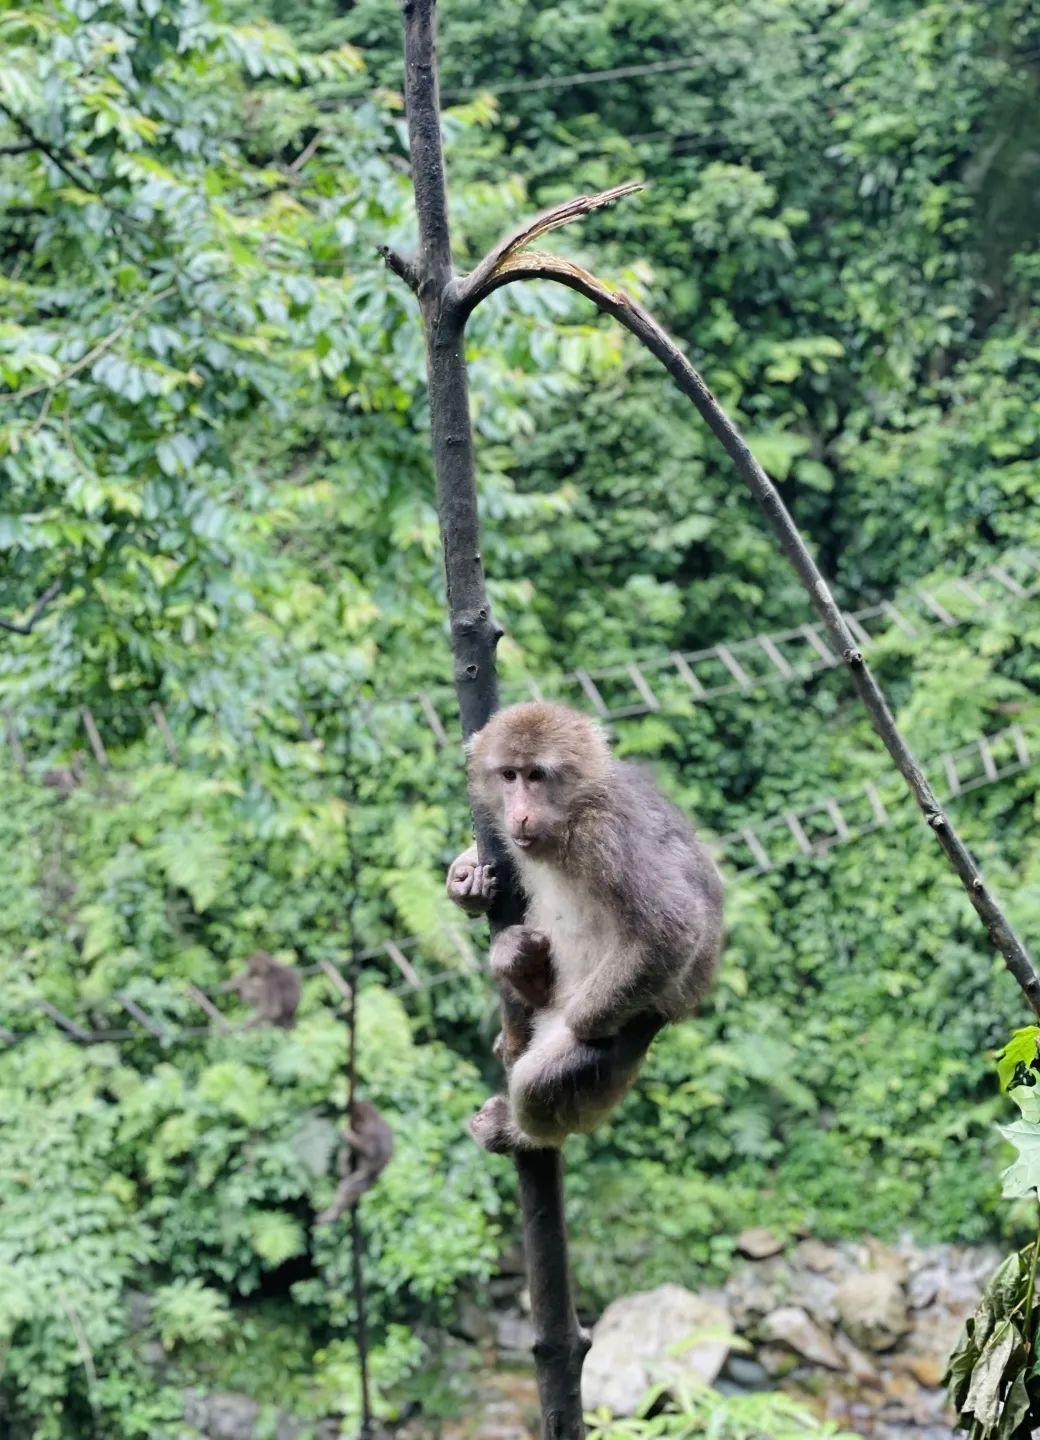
[215, 472]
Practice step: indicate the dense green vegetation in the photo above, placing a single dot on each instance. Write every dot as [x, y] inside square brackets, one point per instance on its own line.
[213, 452]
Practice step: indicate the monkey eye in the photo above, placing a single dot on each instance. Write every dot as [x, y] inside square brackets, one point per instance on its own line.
[536, 773]
[508, 776]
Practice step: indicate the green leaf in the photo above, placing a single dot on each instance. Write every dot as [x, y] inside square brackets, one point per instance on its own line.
[1023, 1176]
[987, 1379]
[1016, 1407]
[1021, 1049]
[276, 1237]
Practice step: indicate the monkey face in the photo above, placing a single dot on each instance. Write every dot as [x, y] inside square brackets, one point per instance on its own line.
[532, 768]
[534, 806]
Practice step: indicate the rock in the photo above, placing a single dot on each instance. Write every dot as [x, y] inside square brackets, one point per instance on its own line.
[512, 1261]
[655, 1335]
[753, 1290]
[815, 1255]
[474, 1321]
[927, 1370]
[924, 1287]
[229, 1415]
[514, 1332]
[872, 1308]
[904, 1399]
[815, 1293]
[746, 1374]
[792, 1326]
[505, 1409]
[859, 1366]
[935, 1333]
[884, 1257]
[952, 1276]
[221, 1414]
[776, 1361]
[758, 1243]
[139, 1306]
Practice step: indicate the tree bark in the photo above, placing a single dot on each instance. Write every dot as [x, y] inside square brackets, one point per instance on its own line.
[560, 1345]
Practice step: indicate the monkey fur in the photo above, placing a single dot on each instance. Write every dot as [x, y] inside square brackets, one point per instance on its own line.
[271, 989]
[622, 925]
[65, 779]
[368, 1146]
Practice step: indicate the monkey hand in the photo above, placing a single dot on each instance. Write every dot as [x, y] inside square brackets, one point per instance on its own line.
[522, 957]
[471, 885]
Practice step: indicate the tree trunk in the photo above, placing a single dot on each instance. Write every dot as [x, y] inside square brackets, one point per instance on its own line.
[560, 1345]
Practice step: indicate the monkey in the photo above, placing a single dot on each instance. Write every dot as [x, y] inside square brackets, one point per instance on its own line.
[622, 924]
[371, 1140]
[271, 989]
[65, 779]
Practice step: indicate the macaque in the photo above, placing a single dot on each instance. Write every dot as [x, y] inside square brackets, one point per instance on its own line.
[622, 926]
[65, 779]
[368, 1146]
[272, 990]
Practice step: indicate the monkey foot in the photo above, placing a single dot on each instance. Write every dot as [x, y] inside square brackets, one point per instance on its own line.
[523, 957]
[492, 1126]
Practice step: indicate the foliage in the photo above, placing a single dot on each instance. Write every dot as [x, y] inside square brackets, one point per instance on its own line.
[213, 460]
[992, 1374]
[990, 1371]
[700, 1410]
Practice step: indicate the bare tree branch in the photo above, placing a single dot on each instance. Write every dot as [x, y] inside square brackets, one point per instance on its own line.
[25, 627]
[36, 143]
[537, 266]
[295, 166]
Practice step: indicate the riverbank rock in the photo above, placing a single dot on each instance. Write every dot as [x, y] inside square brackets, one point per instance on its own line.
[859, 1330]
[792, 1326]
[229, 1415]
[642, 1340]
[872, 1309]
[757, 1243]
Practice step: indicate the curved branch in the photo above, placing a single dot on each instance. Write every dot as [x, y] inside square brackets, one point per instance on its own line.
[536, 266]
[497, 260]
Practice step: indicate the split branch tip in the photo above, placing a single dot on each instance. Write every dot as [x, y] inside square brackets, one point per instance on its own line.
[480, 282]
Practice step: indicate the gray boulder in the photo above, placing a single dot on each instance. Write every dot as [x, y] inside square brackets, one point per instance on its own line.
[790, 1325]
[667, 1334]
[758, 1243]
[872, 1308]
[221, 1414]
